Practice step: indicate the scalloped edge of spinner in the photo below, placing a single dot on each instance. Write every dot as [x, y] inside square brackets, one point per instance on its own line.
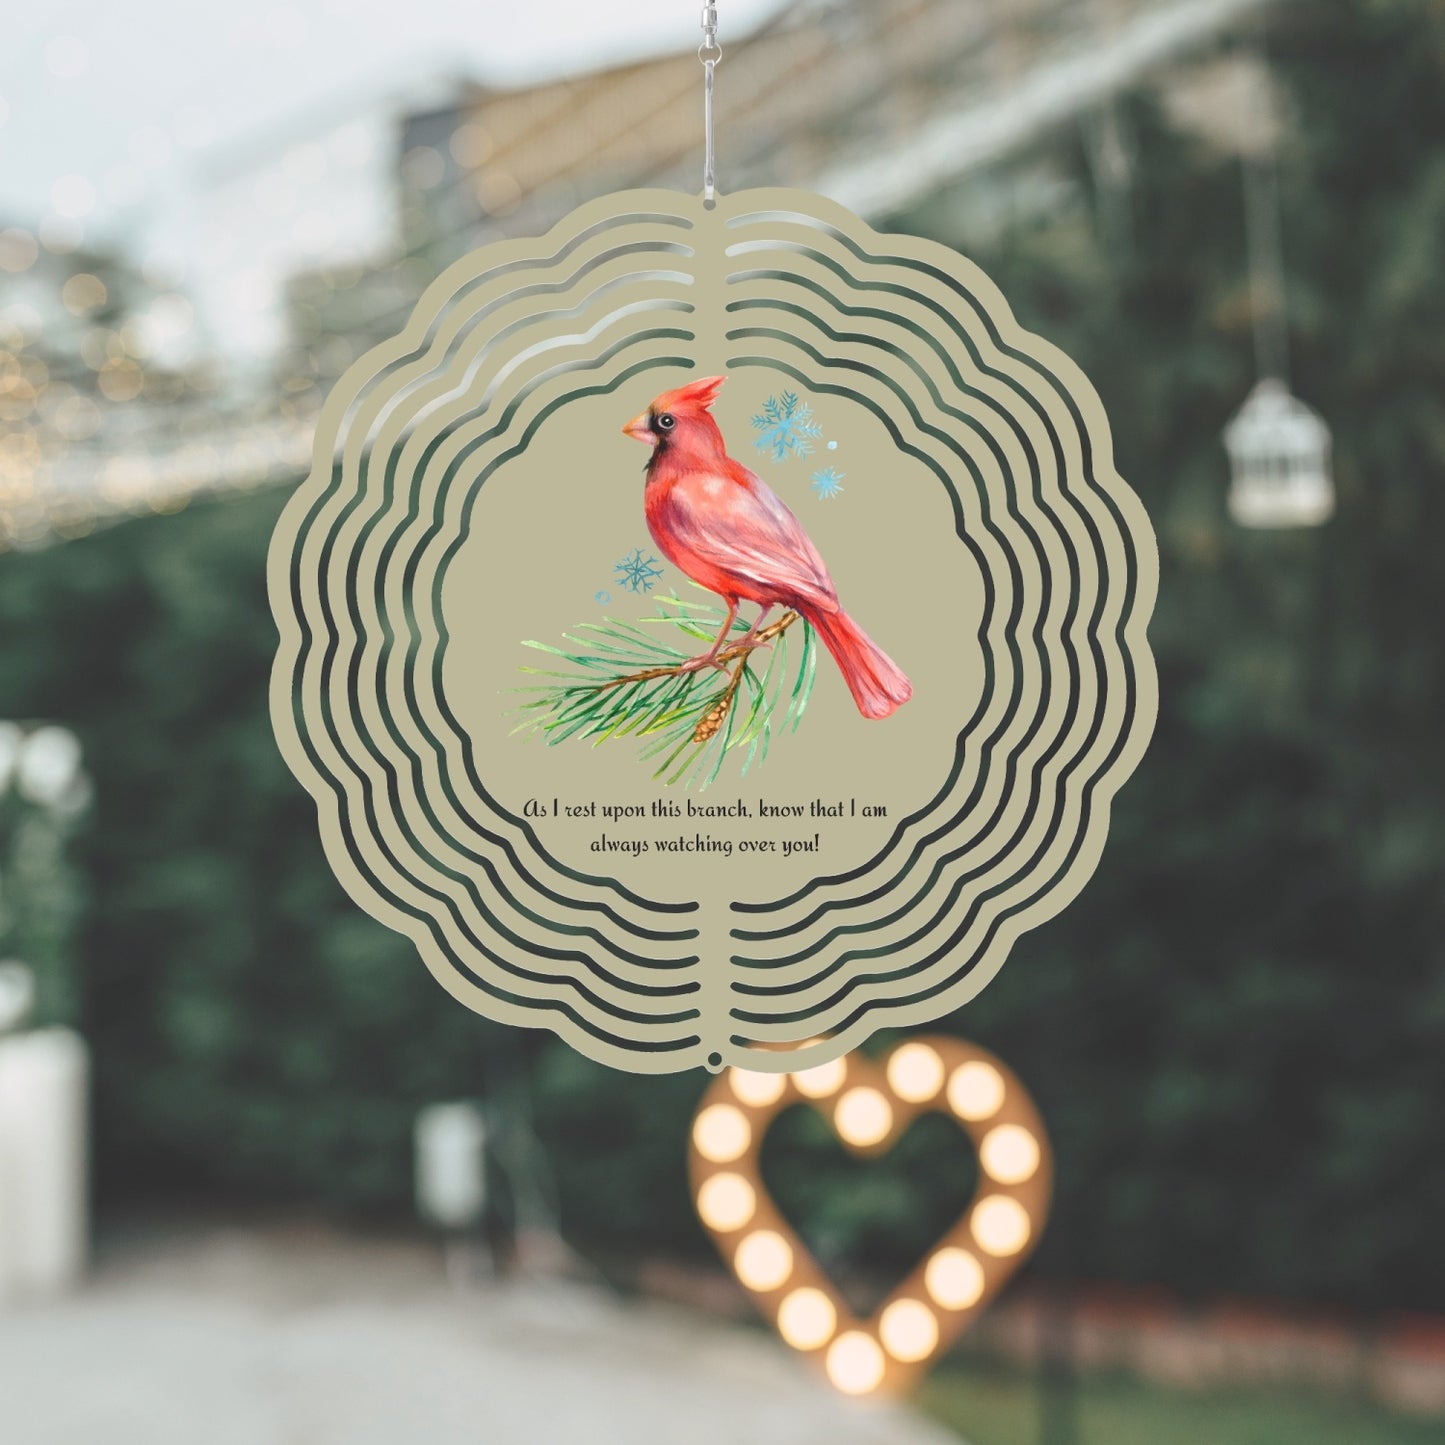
[625, 285]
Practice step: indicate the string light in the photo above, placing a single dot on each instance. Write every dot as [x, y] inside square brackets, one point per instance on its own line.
[909, 1330]
[18, 250]
[120, 380]
[975, 1091]
[83, 293]
[499, 193]
[807, 1319]
[764, 1260]
[855, 1363]
[471, 145]
[954, 1279]
[757, 1089]
[726, 1202]
[423, 168]
[915, 1073]
[721, 1133]
[867, 1104]
[1000, 1225]
[863, 1117]
[1009, 1154]
[821, 1081]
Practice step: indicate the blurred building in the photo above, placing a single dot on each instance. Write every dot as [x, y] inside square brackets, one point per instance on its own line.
[119, 396]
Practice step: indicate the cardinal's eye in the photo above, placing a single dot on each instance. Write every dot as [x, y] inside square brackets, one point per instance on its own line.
[666, 421]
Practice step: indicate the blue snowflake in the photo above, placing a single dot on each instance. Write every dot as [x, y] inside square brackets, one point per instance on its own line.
[636, 571]
[827, 483]
[785, 427]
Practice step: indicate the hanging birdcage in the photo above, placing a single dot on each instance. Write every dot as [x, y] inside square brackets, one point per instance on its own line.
[1279, 456]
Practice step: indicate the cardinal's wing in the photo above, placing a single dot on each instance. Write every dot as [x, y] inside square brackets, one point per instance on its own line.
[739, 525]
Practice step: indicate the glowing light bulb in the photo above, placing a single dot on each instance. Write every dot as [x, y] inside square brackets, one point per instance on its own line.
[726, 1202]
[499, 192]
[721, 1133]
[1000, 1225]
[822, 1080]
[855, 1363]
[764, 1260]
[915, 1073]
[863, 1117]
[18, 249]
[975, 1091]
[1009, 1154]
[909, 1330]
[471, 145]
[807, 1319]
[954, 1278]
[423, 167]
[756, 1089]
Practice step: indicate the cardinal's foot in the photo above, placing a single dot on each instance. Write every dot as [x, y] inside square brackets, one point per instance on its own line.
[699, 664]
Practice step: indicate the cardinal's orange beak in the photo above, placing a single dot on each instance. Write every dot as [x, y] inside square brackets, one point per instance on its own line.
[641, 427]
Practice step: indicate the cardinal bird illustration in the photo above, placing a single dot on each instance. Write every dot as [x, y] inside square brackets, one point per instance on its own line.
[724, 527]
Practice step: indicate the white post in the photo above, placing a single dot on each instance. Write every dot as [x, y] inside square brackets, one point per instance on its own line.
[451, 1176]
[44, 1214]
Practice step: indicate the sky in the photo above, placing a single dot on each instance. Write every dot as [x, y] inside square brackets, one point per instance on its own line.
[107, 109]
[226, 148]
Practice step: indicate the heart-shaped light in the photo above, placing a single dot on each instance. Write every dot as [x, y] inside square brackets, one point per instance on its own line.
[869, 1105]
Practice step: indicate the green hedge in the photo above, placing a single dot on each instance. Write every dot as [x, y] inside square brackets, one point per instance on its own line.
[1234, 1033]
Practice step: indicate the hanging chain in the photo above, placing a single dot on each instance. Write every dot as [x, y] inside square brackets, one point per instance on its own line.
[1262, 208]
[709, 52]
[1263, 222]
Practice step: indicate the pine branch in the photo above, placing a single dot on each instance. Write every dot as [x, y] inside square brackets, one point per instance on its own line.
[626, 679]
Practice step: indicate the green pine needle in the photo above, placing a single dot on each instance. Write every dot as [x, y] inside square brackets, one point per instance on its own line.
[574, 701]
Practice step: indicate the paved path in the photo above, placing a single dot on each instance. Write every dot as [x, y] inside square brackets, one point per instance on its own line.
[300, 1337]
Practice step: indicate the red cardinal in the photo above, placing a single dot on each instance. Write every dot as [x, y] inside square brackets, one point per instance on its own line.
[726, 529]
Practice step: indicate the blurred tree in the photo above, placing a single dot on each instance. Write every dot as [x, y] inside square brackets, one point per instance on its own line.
[1251, 985]
[1234, 1033]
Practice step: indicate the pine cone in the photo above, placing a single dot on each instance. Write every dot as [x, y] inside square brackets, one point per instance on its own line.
[713, 721]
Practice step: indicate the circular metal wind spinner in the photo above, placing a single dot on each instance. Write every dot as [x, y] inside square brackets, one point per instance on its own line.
[540, 746]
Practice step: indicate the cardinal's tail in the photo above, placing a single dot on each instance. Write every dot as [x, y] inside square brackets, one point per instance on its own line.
[875, 680]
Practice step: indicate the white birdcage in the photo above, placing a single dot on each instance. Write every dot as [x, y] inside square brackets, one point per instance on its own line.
[1279, 457]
